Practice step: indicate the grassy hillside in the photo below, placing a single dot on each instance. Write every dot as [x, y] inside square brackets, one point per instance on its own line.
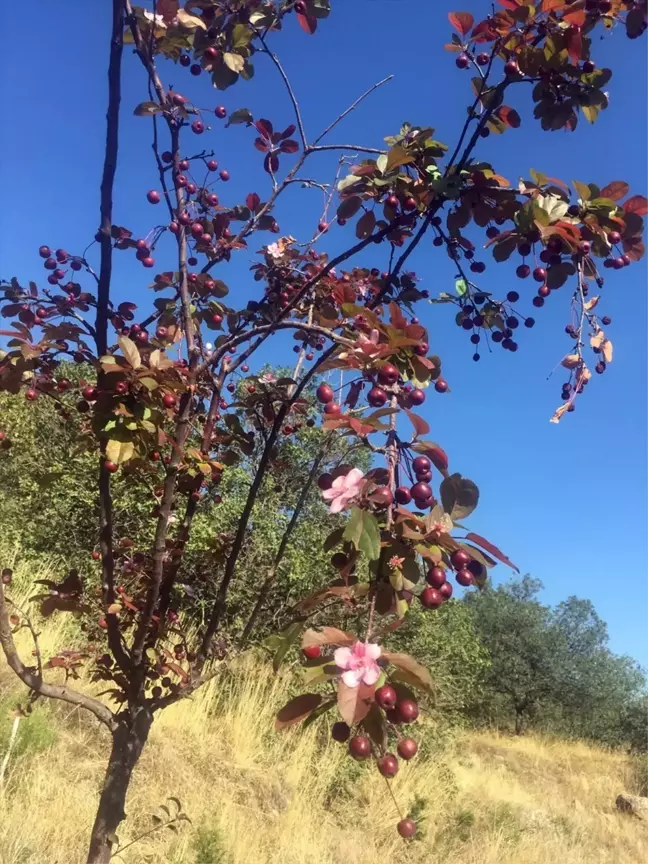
[255, 795]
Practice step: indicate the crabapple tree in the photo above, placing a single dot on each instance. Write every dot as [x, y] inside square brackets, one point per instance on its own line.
[174, 396]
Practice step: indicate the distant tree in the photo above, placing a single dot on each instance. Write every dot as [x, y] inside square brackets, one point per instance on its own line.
[514, 627]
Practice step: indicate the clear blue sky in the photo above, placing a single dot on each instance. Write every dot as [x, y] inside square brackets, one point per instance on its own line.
[567, 502]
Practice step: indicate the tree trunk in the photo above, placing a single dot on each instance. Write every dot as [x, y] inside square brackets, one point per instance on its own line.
[128, 742]
[519, 722]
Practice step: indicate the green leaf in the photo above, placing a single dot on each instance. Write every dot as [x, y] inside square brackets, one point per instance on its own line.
[363, 531]
[241, 36]
[285, 639]
[319, 673]
[262, 18]
[241, 115]
[381, 163]
[460, 286]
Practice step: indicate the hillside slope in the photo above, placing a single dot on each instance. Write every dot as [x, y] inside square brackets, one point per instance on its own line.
[255, 795]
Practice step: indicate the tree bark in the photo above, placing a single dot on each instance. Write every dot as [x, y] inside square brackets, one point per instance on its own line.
[128, 742]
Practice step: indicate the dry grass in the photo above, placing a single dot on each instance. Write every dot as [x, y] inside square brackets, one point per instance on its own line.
[255, 795]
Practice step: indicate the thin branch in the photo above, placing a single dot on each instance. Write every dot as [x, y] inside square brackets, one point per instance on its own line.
[283, 545]
[221, 599]
[357, 148]
[291, 93]
[35, 681]
[351, 107]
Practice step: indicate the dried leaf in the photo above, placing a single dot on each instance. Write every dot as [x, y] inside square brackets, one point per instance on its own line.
[130, 352]
[571, 361]
[191, 22]
[119, 451]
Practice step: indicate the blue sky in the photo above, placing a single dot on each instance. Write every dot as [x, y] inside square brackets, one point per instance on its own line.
[566, 502]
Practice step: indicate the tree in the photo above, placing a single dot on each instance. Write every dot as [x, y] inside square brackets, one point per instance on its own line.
[514, 628]
[166, 426]
[552, 667]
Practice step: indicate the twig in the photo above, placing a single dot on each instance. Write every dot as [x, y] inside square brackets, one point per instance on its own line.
[10, 746]
[291, 93]
[351, 108]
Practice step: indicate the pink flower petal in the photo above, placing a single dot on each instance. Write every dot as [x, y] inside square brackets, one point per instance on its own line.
[358, 650]
[352, 677]
[372, 650]
[337, 505]
[330, 494]
[342, 657]
[370, 674]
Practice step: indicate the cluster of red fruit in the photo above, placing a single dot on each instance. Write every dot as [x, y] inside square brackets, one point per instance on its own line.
[439, 589]
[385, 380]
[397, 712]
[55, 262]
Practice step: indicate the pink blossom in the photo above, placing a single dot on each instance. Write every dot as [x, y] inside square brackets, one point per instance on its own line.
[344, 488]
[359, 663]
[439, 521]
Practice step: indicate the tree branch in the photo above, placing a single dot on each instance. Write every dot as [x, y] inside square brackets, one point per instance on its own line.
[283, 545]
[101, 323]
[35, 681]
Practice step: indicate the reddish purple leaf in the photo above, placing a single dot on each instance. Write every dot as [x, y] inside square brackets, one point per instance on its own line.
[253, 201]
[421, 426]
[287, 132]
[461, 21]
[261, 144]
[289, 146]
[615, 190]
[271, 163]
[354, 702]
[264, 127]
[327, 636]
[307, 23]
[509, 116]
[297, 709]
[494, 551]
[637, 204]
